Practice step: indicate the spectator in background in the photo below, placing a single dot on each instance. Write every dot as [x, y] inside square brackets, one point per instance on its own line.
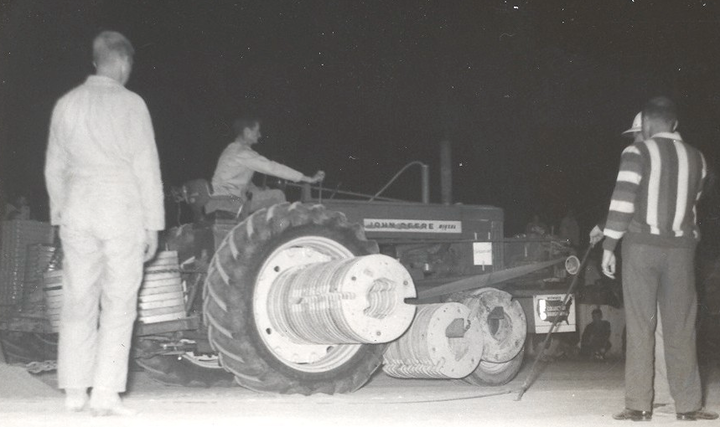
[569, 229]
[595, 340]
[536, 227]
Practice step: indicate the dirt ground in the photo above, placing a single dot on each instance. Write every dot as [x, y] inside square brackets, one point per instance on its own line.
[567, 393]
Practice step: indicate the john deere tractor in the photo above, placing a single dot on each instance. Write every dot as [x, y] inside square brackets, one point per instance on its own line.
[316, 295]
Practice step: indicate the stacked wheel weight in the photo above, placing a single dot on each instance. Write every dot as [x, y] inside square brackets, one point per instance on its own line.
[347, 301]
[161, 296]
[426, 351]
[52, 285]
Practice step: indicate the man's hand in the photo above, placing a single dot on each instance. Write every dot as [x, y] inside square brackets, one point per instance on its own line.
[596, 235]
[608, 263]
[151, 244]
[319, 176]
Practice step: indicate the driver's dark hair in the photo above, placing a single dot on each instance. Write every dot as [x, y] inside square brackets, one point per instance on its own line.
[660, 108]
[246, 121]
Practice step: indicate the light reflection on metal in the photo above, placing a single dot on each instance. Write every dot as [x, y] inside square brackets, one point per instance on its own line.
[542, 309]
[572, 265]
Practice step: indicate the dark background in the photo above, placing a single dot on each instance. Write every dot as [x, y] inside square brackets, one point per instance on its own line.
[532, 94]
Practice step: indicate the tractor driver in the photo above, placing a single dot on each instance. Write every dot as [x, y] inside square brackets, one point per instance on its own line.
[238, 162]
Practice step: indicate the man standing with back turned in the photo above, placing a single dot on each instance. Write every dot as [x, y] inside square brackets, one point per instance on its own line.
[103, 178]
[653, 208]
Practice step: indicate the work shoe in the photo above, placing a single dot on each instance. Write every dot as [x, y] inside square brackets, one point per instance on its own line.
[700, 414]
[634, 415]
[105, 403]
[75, 399]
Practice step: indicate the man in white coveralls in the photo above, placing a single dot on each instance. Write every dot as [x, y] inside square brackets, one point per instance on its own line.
[103, 178]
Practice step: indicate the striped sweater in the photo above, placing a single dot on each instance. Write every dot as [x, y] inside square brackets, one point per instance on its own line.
[659, 183]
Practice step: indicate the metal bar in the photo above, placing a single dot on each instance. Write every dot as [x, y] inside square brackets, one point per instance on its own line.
[420, 241]
[350, 193]
[446, 172]
[186, 324]
[485, 280]
[193, 293]
[425, 177]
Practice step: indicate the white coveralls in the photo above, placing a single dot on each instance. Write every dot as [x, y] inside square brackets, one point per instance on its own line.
[103, 178]
[235, 170]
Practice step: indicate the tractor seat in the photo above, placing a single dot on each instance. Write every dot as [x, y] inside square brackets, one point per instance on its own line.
[198, 194]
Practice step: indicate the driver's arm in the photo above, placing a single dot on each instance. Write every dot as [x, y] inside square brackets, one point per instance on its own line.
[258, 163]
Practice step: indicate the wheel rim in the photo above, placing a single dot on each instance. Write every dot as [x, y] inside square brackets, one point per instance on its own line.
[310, 358]
[494, 368]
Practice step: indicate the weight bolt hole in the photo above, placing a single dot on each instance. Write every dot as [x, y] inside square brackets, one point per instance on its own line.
[268, 331]
[494, 326]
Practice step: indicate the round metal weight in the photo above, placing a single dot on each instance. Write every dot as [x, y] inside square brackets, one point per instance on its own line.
[347, 301]
[502, 321]
[442, 342]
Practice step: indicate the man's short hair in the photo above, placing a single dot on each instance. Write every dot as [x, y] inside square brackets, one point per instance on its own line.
[109, 46]
[597, 311]
[243, 122]
[660, 109]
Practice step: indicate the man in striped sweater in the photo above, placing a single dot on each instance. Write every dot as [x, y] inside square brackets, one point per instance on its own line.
[653, 208]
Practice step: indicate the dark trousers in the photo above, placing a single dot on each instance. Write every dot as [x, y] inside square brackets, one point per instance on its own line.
[658, 277]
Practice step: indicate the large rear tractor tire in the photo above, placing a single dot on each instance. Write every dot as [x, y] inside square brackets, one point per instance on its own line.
[236, 299]
[495, 374]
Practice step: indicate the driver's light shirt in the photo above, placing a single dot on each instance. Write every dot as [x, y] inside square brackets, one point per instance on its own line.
[237, 165]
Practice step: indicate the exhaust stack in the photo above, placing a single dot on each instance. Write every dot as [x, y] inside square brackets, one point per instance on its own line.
[446, 172]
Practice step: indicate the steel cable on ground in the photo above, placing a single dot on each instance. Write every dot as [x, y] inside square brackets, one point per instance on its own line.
[448, 399]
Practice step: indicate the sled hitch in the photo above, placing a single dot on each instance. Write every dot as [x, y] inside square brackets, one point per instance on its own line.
[181, 347]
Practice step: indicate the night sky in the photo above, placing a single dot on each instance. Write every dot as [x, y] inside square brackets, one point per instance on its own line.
[533, 95]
